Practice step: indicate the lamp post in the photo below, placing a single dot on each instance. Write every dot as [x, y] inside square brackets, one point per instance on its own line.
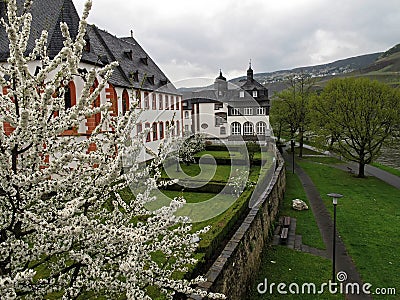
[335, 198]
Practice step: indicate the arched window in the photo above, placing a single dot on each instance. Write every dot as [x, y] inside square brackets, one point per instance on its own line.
[166, 106]
[139, 99]
[160, 101]
[248, 128]
[96, 103]
[167, 128]
[70, 95]
[148, 136]
[186, 115]
[125, 101]
[177, 128]
[260, 127]
[154, 130]
[139, 128]
[236, 128]
[177, 103]
[146, 100]
[154, 102]
[111, 94]
[161, 130]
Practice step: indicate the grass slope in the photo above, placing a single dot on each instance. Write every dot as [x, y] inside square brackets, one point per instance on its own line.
[368, 219]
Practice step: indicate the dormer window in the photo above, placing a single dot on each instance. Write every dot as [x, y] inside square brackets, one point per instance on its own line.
[150, 79]
[241, 94]
[135, 76]
[128, 54]
[104, 59]
[87, 44]
[144, 60]
[163, 82]
[255, 94]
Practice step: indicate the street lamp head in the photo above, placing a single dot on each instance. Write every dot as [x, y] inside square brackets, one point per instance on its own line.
[335, 197]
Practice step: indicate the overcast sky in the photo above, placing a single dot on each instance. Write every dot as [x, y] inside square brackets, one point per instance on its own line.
[190, 39]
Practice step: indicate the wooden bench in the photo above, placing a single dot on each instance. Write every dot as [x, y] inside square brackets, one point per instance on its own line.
[286, 222]
[284, 235]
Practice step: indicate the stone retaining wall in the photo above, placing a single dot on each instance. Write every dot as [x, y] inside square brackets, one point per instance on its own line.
[233, 271]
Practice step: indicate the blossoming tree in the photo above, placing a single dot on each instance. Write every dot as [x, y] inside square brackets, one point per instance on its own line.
[65, 230]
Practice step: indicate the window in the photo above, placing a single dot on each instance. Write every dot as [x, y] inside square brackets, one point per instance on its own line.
[220, 118]
[161, 130]
[218, 106]
[166, 102]
[167, 128]
[255, 94]
[178, 129]
[172, 126]
[236, 128]
[139, 128]
[146, 100]
[235, 111]
[148, 137]
[177, 103]
[248, 111]
[139, 99]
[222, 130]
[186, 115]
[125, 101]
[186, 128]
[154, 130]
[248, 128]
[160, 101]
[260, 110]
[241, 94]
[260, 127]
[154, 102]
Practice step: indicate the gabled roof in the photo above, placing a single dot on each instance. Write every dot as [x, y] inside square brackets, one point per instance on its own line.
[136, 68]
[46, 15]
[104, 47]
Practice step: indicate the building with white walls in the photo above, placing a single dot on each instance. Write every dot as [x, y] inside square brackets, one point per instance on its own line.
[228, 112]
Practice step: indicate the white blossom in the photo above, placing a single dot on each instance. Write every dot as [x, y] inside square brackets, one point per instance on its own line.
[64, 227]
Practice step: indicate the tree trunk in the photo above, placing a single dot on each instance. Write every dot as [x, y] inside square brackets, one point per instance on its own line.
[361, 170]
[301, 139]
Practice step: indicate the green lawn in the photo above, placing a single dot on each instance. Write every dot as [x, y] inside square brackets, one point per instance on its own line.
[305, 221]
[368, 217]
[200, 172]
[281, 264]
[221, 154]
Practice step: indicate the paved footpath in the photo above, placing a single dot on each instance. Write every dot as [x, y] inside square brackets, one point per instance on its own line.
[324, 221]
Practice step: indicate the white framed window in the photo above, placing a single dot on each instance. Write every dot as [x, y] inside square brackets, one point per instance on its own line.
[248, 128]
[255, 94]
[241, 94]
[218, 106]
[236, 128]
[260, 110]
[235, 112]
[248, 111]
[260, 127]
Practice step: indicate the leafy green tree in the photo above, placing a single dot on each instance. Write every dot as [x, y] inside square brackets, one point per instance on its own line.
[359, 115]
[292, 107]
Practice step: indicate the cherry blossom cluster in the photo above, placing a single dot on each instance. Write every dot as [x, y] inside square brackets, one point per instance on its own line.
[65, 229]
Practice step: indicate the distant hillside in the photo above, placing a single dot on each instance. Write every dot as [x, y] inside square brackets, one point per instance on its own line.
[342, 66]
[389, 61]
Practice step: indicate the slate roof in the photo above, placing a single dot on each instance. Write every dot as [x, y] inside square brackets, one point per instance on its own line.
[231, 95]
[104, 47]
